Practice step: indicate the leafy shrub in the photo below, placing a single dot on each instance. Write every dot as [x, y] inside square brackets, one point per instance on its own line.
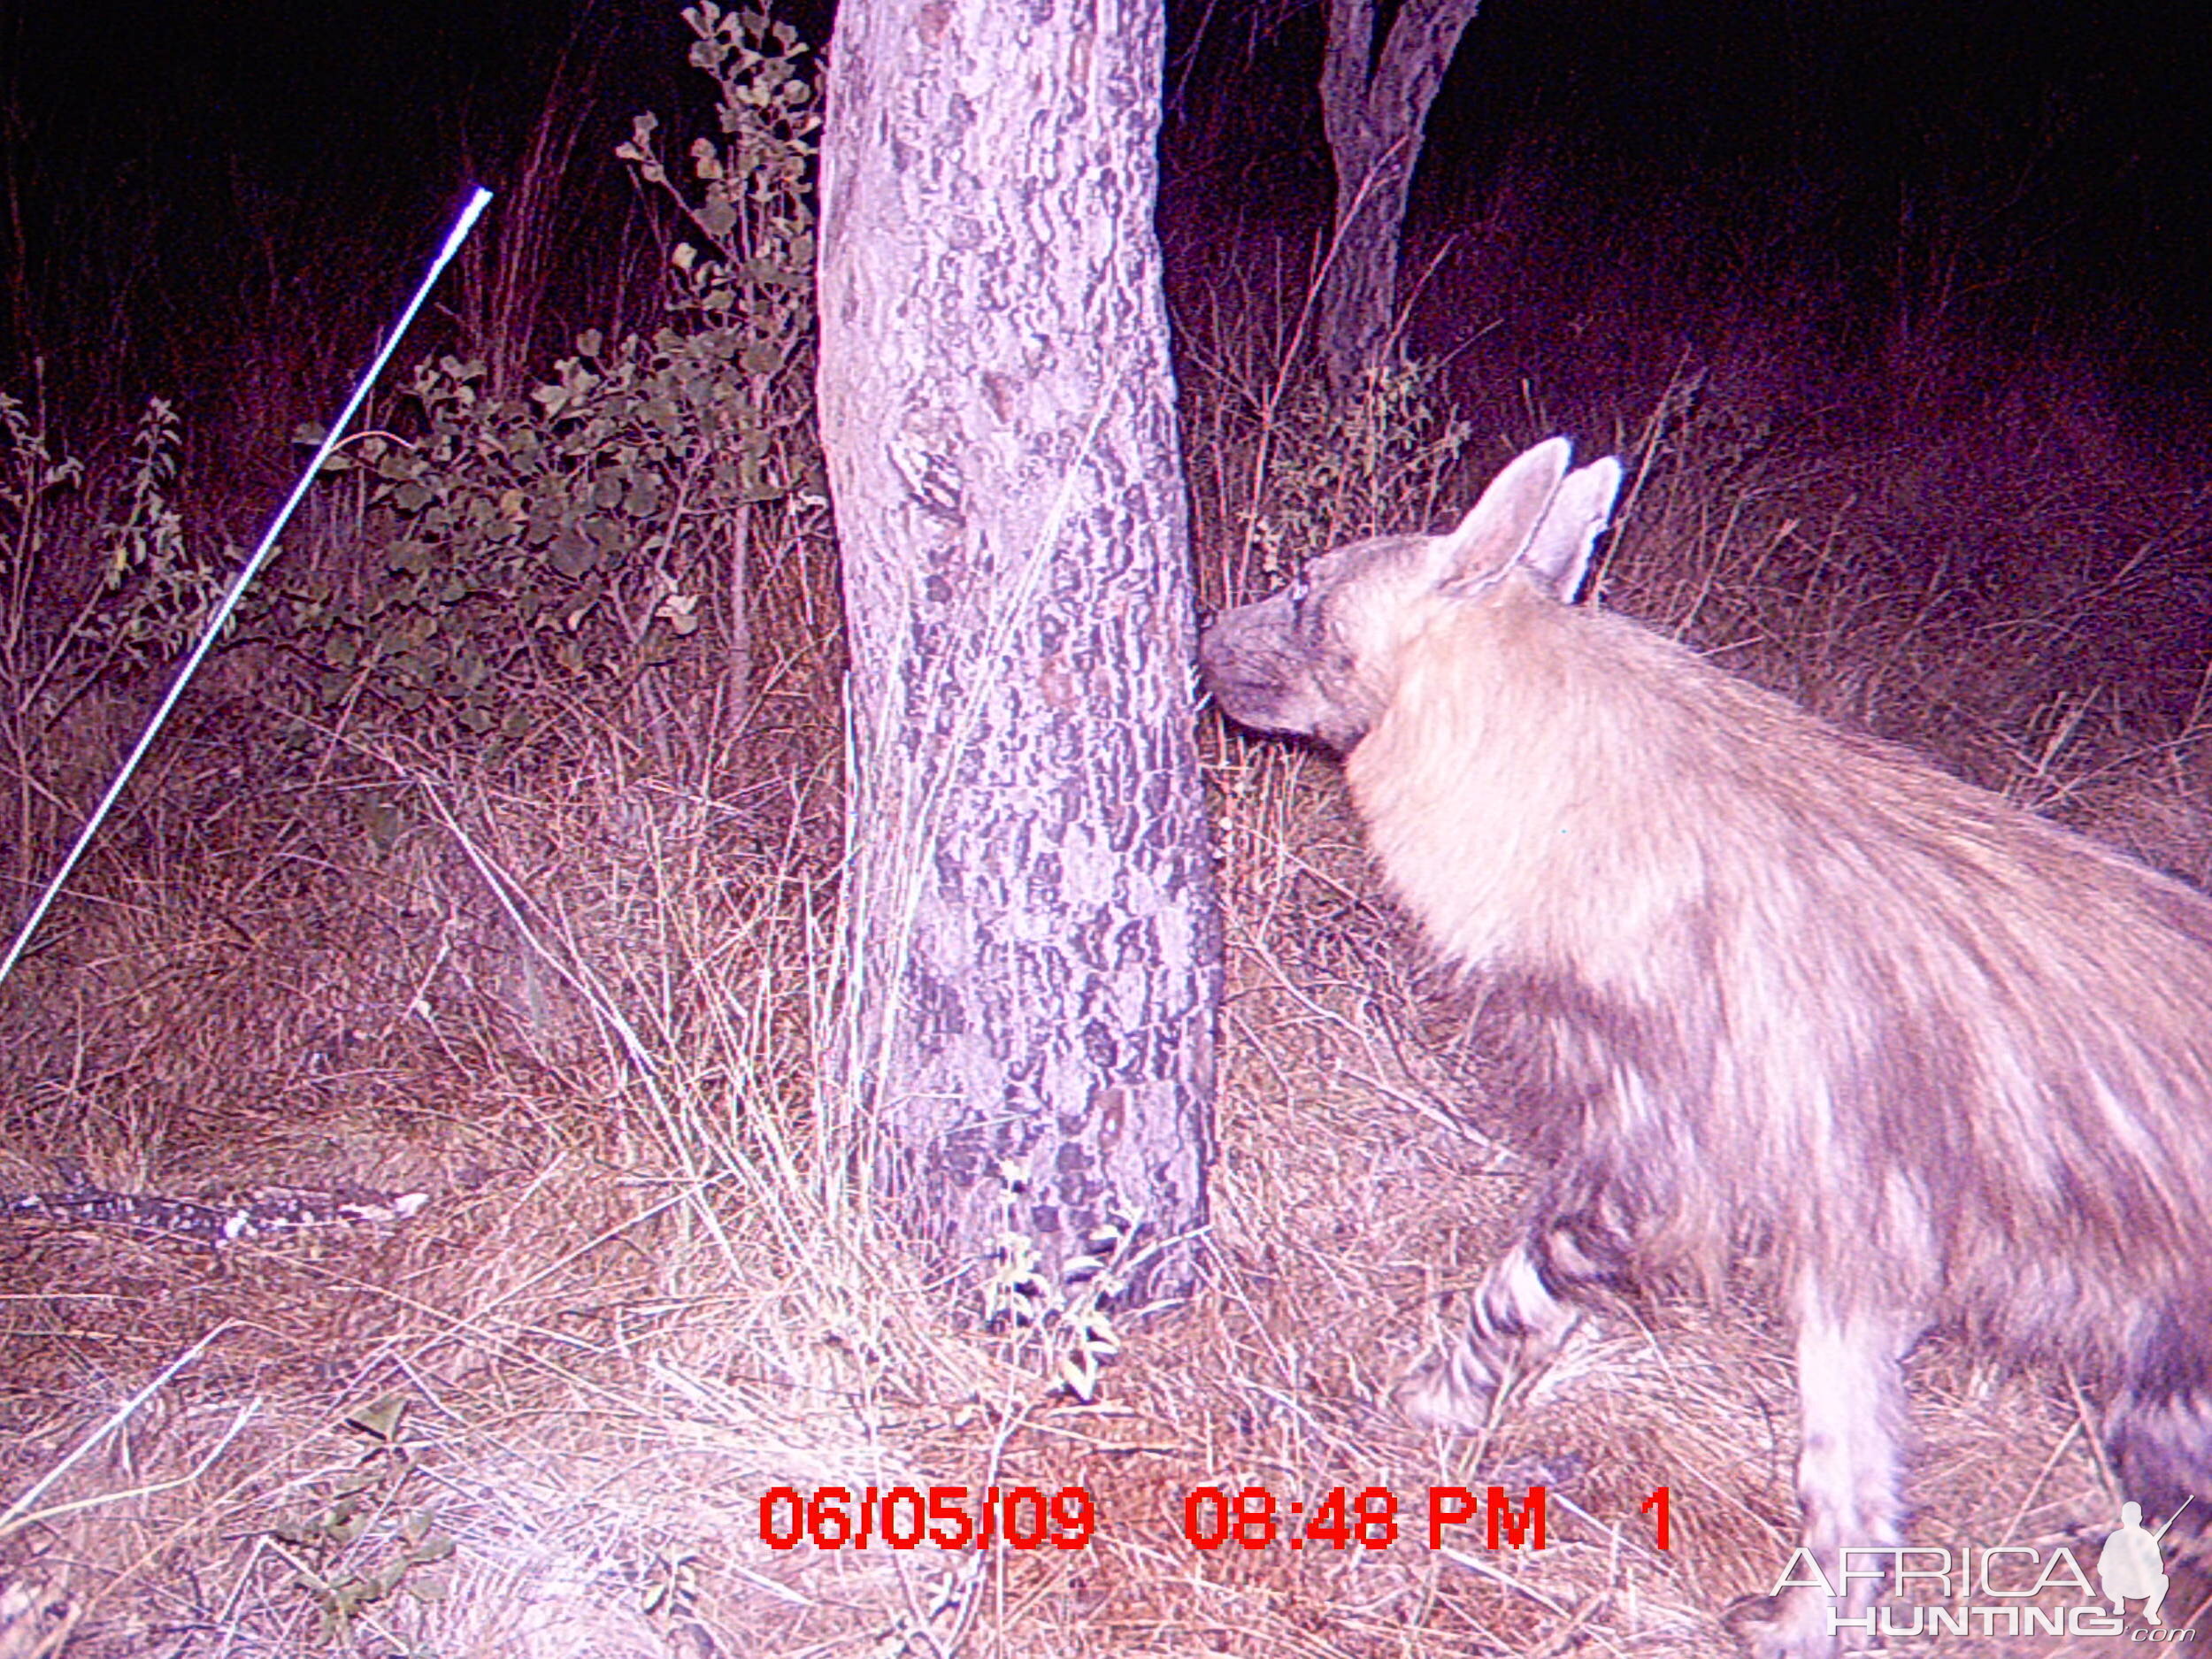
[576, 536]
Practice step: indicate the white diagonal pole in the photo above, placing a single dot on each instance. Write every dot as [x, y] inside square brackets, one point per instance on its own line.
[462, 225]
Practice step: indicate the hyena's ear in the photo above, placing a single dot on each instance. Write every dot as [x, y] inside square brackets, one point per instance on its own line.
[1535, 514]
[1558, 549]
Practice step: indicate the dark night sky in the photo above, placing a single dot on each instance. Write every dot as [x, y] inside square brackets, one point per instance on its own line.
[151, 142]
[182, 164]
[2068, 141]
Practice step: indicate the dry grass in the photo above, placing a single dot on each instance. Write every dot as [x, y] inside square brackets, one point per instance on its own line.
[616, 1325]
[575, 1004]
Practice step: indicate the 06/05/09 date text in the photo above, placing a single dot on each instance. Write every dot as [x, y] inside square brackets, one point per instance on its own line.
[947, 1518]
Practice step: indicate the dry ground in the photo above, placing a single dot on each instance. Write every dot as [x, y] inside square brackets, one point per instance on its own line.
[575, 1011]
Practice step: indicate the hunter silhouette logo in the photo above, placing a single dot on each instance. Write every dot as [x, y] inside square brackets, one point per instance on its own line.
[2130, 1565]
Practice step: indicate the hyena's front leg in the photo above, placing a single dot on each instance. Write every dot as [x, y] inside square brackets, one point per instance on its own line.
[1850, 1478]
[1521, 1314]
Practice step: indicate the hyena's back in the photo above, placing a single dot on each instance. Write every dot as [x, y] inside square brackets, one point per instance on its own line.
[1946, 1060]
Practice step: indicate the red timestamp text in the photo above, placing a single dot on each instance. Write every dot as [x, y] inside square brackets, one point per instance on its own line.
[942, 1517]
[1340, 1518]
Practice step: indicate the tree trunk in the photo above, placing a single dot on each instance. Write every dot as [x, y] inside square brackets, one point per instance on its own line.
[1032, 948]
[1374, 114]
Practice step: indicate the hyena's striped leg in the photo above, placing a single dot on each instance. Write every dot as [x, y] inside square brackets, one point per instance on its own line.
[1850, 1476]
[1522, 1313]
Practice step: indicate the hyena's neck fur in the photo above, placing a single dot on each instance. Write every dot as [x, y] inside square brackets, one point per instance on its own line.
[1492, 789]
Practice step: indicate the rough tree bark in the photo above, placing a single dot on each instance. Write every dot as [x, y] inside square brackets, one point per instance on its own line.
[1374, 111]
[1029, 901]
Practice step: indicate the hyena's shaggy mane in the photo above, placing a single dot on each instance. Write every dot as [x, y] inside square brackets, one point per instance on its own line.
[1813, 992]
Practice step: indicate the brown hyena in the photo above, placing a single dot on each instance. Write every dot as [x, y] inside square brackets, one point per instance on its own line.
[1943, 1062]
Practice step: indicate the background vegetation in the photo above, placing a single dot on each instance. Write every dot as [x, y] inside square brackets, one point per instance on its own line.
[494, 857]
